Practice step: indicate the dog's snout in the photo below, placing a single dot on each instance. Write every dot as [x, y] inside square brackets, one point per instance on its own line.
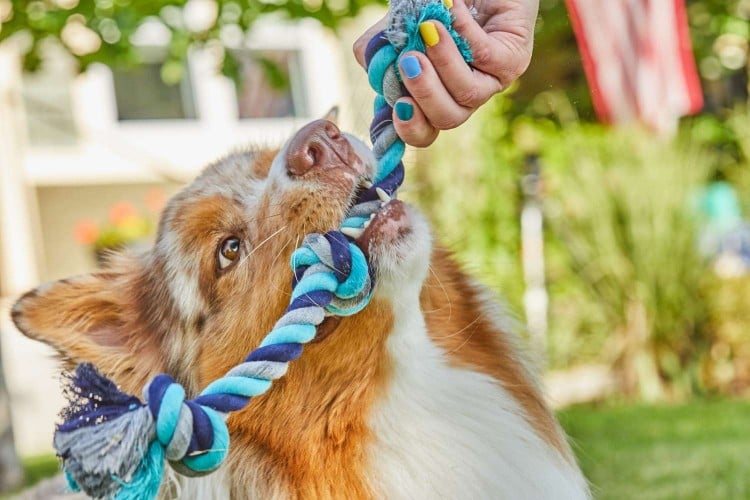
[318, 145]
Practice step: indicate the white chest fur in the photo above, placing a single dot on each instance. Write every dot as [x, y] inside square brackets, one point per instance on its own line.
[214, 486]
[440, 432]
[446, 432]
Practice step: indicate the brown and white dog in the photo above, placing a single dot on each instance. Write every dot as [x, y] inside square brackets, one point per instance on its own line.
[424, 394]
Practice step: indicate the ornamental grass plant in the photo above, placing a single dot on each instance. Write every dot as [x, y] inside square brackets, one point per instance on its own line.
[628, 285]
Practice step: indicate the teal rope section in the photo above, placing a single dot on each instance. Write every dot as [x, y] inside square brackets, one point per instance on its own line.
[115, 446]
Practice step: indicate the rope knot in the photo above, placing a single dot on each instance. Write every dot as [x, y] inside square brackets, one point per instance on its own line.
[194, 437]
[330, 272]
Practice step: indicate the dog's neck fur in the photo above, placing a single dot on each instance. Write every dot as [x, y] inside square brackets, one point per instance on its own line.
[438, 407]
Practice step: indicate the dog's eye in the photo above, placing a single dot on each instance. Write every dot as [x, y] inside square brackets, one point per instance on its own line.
[229, 253]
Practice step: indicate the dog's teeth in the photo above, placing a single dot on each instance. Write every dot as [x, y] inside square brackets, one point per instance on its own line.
[367, 184]
[372, 216]
[366, 224]
[382, 195]
[352, 231]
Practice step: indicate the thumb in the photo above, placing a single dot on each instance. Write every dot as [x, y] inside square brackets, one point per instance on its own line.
[361, 44]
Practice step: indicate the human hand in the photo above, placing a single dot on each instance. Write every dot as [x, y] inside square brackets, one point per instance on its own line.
[444, 90]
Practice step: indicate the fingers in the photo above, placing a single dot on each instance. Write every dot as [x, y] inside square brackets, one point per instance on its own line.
[478, 39]
[361, 44]
[412, 125]
[468, 87]
[503, 46]
[444, 90]
[429, 93]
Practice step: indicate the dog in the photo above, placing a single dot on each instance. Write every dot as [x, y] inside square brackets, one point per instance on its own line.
[424, 394]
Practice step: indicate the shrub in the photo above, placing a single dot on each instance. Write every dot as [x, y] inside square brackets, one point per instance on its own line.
[619, 203]
[627, 284]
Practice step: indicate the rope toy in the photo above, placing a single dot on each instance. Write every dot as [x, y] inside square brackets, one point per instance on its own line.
[114, 446]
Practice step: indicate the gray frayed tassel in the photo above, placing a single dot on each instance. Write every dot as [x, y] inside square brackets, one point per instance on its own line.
[95, 454]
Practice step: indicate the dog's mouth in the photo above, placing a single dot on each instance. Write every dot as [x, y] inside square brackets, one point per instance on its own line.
[388, 224]
[386, 227]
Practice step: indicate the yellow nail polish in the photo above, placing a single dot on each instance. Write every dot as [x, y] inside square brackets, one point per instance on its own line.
[429, 33]
[448, 3]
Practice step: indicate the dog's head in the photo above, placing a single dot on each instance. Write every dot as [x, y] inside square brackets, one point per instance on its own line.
[218, 275]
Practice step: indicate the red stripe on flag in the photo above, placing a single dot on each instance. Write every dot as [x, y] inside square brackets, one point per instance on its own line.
[638, 60]
[589, 65]
[689, 71]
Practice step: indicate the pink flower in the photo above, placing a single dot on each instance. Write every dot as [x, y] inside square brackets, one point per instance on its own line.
[86, 232]
[121, 211]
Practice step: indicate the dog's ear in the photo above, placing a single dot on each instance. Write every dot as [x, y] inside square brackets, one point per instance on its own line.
[332, 115]
[96, 318]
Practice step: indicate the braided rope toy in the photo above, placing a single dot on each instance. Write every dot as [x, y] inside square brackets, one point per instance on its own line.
[114, 446]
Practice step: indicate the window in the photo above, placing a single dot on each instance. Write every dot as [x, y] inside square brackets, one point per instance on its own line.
[141, 94]
[49, 112]
[270, 84]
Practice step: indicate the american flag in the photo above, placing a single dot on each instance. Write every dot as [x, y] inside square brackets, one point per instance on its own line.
[638, 60]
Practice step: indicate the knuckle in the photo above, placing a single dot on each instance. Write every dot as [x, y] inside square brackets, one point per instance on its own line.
[524, 60]
[468, 97]
[419, 137]
[440, 58]
[482, 55]
[462, 22]
[460, 25]
[511, 73]
[422, 142]
[447, 122]
[517, 62]
[421, 91]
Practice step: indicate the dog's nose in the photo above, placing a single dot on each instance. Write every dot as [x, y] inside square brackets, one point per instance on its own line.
[317, 145]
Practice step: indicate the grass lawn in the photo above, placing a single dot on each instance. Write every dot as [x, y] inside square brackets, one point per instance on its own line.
[40, 467]
[696, 451]
[700, 450]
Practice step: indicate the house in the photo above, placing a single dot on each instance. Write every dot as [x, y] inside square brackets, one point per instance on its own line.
[72, 145]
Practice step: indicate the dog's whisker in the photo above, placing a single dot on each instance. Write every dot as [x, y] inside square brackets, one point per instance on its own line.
[258, 247]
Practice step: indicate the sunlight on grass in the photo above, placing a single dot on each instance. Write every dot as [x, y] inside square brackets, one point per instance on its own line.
[693, 451]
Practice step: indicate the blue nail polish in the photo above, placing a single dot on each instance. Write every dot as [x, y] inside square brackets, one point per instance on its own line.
[404, 111]
[411, 67]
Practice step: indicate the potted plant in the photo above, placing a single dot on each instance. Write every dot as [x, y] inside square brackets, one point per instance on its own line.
[125, 226]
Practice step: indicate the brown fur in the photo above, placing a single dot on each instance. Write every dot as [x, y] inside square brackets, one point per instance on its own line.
[263, 162]
[457, 322]
[307, 437]
[97, 318]
[309, 434]
[313, 431]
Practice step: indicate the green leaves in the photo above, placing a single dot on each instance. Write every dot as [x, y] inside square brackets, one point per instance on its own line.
[102, 30]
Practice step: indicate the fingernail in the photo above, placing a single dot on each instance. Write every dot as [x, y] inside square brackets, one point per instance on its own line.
[429, 34]
[448, 3]
[411, 66]
[404, 111]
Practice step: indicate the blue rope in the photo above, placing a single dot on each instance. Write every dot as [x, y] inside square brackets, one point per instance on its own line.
[114, 445]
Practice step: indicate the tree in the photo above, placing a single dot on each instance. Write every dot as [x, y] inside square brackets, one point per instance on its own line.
[101, 30]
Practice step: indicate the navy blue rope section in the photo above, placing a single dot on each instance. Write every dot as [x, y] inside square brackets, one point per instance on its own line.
[114, 445]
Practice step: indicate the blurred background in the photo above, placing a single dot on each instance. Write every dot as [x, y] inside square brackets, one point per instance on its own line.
[605, 195]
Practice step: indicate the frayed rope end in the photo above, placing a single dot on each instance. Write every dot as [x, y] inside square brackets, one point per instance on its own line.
[405, 18]
[105, 440]
[146, 481]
